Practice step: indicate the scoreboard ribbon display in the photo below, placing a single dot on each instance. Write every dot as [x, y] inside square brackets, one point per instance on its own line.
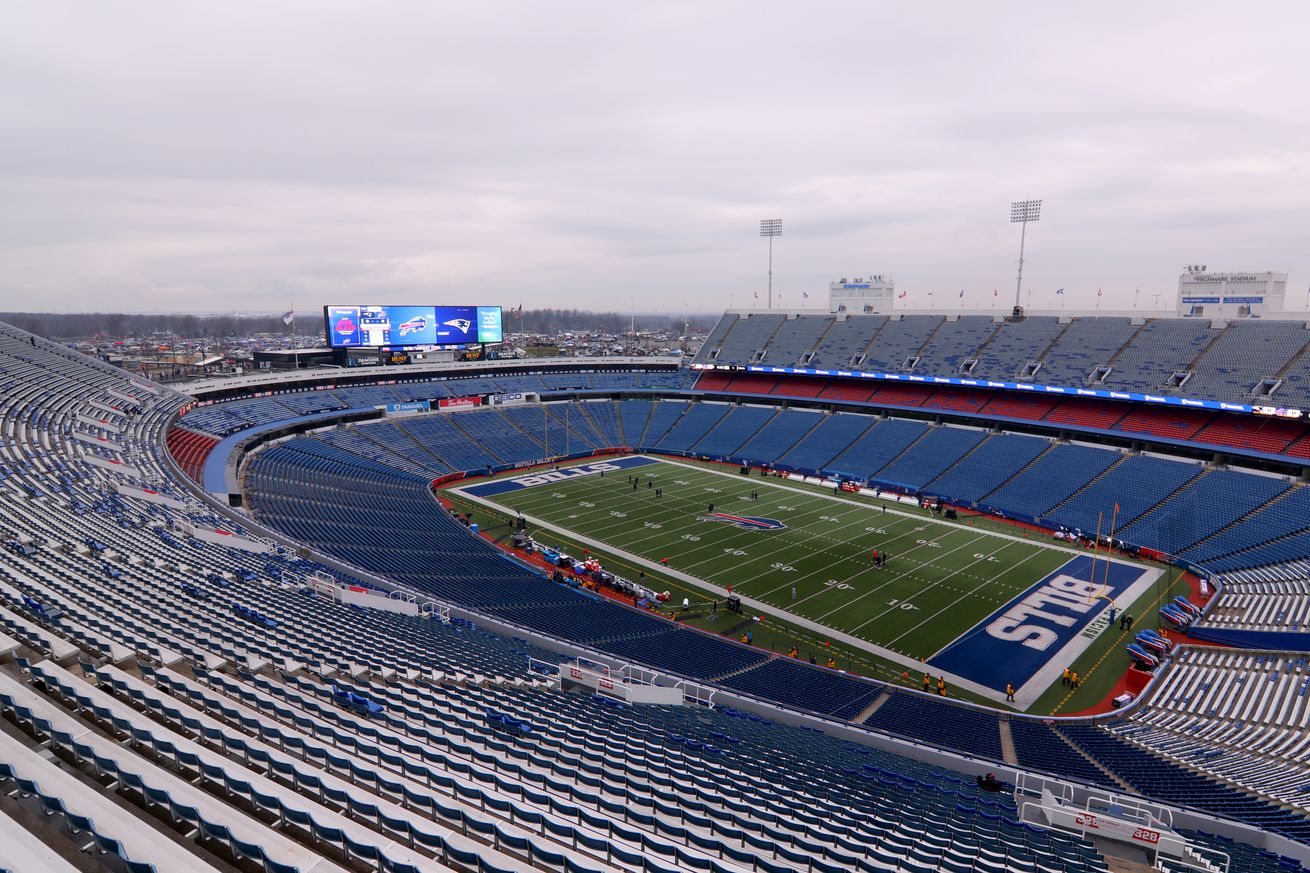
[374, 326]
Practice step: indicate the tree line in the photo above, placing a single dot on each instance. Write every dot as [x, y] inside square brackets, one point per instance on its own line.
[121, 325]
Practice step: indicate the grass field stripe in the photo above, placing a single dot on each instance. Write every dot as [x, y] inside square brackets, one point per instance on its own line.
[849, 639]
[953, 605]
[890, 510]
[891, 579]
[688, 555]
[832, 572]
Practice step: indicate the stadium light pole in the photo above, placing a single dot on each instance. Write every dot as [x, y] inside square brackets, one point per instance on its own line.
[1022, 212]
[770, 227]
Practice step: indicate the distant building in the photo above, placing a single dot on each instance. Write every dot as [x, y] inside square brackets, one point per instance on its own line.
[1230, 295]
[861, 296]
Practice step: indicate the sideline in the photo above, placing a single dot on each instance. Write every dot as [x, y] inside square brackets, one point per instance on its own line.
[756, 606]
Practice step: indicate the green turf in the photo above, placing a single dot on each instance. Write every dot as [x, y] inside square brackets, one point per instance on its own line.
[942, 579]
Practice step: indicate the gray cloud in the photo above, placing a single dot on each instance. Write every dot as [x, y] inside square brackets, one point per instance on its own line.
[201, 156]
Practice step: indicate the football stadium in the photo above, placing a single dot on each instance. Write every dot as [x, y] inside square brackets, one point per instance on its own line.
[843, 592]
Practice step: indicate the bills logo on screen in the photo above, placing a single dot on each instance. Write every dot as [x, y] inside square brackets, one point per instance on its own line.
[746, 522]
[414, 325]
[460, 324]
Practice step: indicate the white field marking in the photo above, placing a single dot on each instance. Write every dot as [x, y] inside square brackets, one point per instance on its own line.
[759, 607]
[894, 511]
[953, 604]
[898, 576]
[602, 528]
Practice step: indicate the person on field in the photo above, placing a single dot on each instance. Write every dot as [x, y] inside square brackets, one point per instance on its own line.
[941, 685]
[1009, 692]
[927, 683]
[1073, 679]
[1064, 677]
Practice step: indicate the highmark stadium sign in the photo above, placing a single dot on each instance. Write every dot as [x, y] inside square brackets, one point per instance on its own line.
[1218, 405]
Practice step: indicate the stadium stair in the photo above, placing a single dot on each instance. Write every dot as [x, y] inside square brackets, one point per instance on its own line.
[1007, 742]
[872, 707]
[1189, 484]
[737, 672]
[864, 352]
[960, 460]
[927, 430]
[1092, 482]
[768, 341]
[819, 420]
[586, 414]
[818, 343]
[1192, 364]
[929, 338]
[720, 341]
[1287, 368]
[1183, 762]
[721, 423]
[454, 422]
[1235, 522]
[1113, 776]
[978, 352]
[1132, 339]
[1021, 471]
[515, 425]
[1055, 340]
[1259, 547]
[367, 433]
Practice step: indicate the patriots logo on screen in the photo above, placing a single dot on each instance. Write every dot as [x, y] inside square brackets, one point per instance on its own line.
[414, 325]
[460, 324]
[746, 522]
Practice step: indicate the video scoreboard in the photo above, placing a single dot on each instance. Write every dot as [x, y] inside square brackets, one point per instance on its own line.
[377, 326]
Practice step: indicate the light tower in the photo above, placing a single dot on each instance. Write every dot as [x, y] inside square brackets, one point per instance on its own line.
[1022, 212]
[770, 227]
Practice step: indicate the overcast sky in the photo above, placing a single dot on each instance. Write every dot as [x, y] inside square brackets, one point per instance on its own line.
[239, 156]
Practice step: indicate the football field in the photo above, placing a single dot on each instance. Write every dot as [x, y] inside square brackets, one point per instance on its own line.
[810, 553]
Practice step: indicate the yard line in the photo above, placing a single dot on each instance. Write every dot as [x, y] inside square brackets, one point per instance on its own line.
[952, 604]
[972, 626]
[895, 578]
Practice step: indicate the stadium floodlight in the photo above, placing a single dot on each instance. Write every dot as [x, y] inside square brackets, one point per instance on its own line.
[1022, 212]
[770, 227]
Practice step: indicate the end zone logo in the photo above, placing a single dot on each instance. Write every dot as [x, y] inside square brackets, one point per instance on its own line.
[746, 522]
[567, 473]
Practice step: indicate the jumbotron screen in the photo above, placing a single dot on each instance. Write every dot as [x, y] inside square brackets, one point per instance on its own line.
[358, 326]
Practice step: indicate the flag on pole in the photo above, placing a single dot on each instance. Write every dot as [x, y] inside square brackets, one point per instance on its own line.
[289, 316]
[903, 293]
[1098, 292]
[996, 293]
[805, 295]
[757, 295]
[961, 293]
[1059, 290]
[518, 313]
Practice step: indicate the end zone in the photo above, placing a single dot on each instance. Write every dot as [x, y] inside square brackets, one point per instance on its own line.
[562, 474]
[1030, 640]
